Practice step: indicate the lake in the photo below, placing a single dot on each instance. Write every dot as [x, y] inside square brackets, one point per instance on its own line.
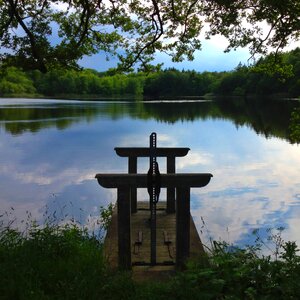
[50, 151]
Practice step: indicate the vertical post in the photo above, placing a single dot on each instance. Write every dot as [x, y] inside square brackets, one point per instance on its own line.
[124, 238]
[182, 225]
[153, 196]
[170, 191]
[132, 169]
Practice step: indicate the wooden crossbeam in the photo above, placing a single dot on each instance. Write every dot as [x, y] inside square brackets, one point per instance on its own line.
[170, 153]
[167, 180]
[182, 182]
[145, 152]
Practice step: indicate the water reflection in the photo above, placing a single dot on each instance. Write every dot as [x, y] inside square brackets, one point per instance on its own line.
[50, 152]
[266, 118]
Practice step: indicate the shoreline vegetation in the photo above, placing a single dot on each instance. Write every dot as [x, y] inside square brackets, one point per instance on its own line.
[265, 78]
[52, 261]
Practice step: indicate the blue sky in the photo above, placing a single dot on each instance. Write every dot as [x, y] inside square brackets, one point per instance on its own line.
[210, 58]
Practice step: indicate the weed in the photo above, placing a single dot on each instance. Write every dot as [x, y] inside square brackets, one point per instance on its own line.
[106, 215]
[65, 261]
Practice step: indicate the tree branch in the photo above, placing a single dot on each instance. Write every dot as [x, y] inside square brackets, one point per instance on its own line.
[30, 35]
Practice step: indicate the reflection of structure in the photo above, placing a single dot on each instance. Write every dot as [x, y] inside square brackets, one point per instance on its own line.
[132, 216]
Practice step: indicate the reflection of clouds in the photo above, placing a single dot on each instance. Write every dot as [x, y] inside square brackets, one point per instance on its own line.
[134, 140]
[233, 192]
[142, 140]
[256, 181]
[260, 191]
[194, 159]
[233, 218]
[70, 202]
[30, 188]
[21, 214]
[43, 174]
[166, 140]
[292, 233]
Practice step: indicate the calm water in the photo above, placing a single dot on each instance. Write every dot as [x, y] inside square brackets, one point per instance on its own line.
[50, 152]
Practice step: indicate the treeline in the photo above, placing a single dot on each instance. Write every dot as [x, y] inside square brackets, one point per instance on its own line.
[58, 82]
[278, 75]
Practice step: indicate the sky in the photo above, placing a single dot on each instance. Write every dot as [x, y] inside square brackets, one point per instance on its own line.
[211, 58]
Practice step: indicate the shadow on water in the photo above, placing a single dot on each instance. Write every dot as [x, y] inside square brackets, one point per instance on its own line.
[268, 118]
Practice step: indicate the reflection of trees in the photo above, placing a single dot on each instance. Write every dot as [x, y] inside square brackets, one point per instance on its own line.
[19, 119]
[270, 118]
[295, 126]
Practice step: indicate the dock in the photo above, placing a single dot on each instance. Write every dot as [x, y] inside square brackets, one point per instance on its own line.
[152, 238]
[140, 253]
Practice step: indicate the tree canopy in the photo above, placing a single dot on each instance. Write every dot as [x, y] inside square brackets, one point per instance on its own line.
[40, 34]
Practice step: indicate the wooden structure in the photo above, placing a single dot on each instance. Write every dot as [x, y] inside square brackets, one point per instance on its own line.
[177, 205]
[169, 153]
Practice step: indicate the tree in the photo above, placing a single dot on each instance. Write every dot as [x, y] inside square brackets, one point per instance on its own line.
[42, 33]
[14, 81]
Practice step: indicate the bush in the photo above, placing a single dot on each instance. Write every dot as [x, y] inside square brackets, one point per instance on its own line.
[66, 262]
[50, 263]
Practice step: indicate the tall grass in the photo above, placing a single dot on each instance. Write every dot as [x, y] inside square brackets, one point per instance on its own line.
[52, 261]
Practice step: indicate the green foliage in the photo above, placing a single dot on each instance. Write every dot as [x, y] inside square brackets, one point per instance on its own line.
[106, 215]
[65, 262]
[15, 82]
[172, 83]
[50, 262]
[295, 126]
[46, 34]
[235, 273]
[264, 78]
[89, 82]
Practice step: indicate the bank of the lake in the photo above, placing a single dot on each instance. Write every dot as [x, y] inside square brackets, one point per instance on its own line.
[65, 262]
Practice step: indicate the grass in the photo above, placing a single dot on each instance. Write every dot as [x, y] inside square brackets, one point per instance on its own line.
[52, 261]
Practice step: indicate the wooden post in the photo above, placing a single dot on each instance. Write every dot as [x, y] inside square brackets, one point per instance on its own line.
[124, 238]
[182, 225]
[182, 183]
[170, 191]
[132, 169]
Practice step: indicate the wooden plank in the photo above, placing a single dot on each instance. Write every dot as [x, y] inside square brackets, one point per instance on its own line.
[132, 169]
[167, 180]
[165, 222]
[145, 152]
[182, 226]
[124, 240]
[171, 169]
[140, 222]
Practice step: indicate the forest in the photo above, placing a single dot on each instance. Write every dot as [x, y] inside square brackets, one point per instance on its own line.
[273, 76]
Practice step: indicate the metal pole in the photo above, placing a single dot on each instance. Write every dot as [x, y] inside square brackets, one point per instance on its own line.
[153, 197]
